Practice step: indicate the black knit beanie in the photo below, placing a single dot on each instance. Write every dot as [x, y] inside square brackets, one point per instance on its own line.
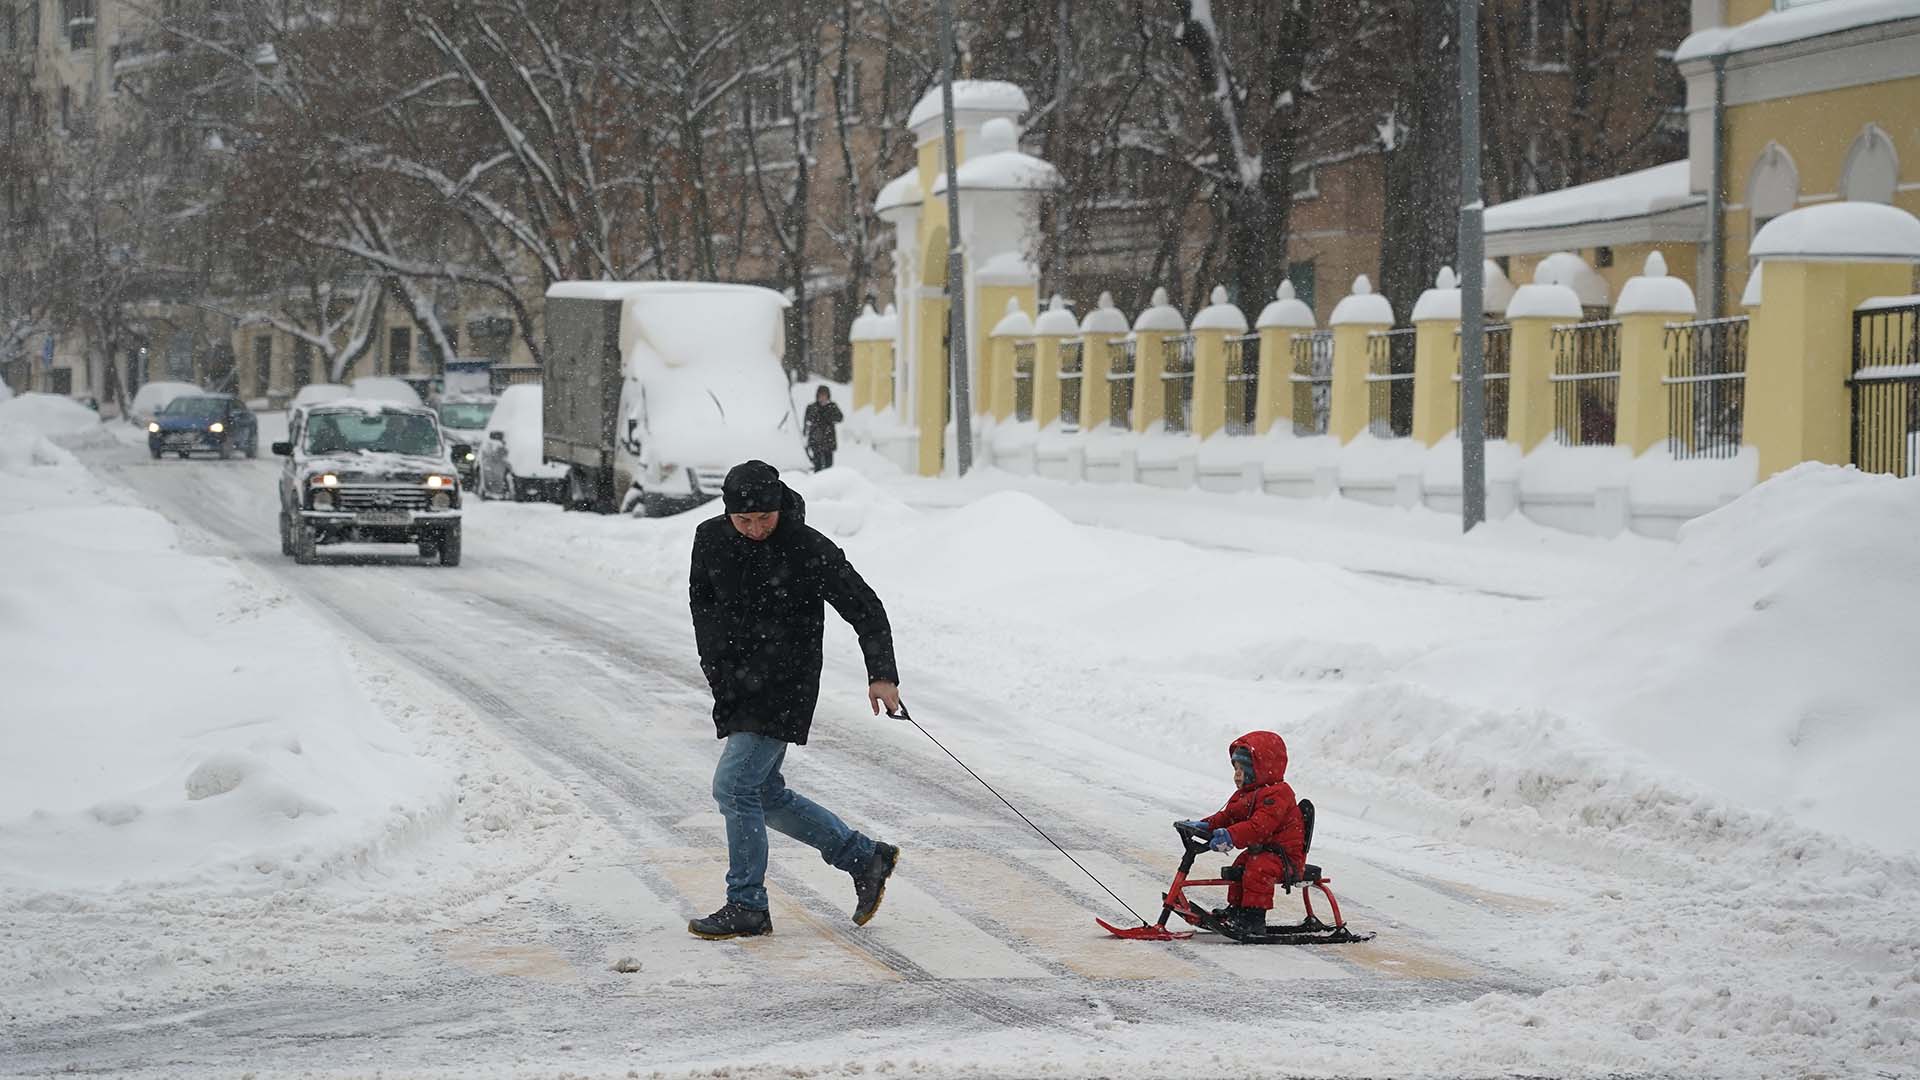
[752, 487]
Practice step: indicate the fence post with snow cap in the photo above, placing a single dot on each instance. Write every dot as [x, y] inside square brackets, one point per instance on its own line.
[1151, 329]
[1054, 326]
[1003, 279]
[1213, 325]
[886, 354]
[1436, 359]
[1533, 312]
[1283, 318]
[1358, 314]
[860, 340]
[1805, 390]
[1102, 326]
[999, 391]
[1647, 304]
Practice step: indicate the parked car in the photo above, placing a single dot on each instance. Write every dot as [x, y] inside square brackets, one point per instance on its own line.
[699, 389]
[153, 397]
[368, 472]
[385, 388]
[206, 424]
[463, 420]
[510, 459]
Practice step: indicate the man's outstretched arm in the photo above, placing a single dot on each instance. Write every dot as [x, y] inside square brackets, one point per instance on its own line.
[855, 600]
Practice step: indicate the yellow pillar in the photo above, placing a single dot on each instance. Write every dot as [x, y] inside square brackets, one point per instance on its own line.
[880, 372]
[1212, 326]
[1286, 316]
[1641, 420]
[1800, 356]
[861, 342]
[1360, 313]
[930, 385]
[1013, 326]
[1054, 325]
[1533, 312]
[993, 301]
[1436, 358]
[1150, 332]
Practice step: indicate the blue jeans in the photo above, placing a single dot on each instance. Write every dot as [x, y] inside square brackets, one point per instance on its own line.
[753, 795]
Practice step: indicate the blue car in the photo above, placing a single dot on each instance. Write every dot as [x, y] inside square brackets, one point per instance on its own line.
[204, 424]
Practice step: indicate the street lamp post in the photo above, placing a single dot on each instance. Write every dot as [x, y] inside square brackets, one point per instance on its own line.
[956, 283]
[1471, 243]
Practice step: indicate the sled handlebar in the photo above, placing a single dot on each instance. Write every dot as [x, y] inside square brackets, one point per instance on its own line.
[1195, 840]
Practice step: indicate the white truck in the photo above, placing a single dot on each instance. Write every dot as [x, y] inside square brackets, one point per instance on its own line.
[653, 390]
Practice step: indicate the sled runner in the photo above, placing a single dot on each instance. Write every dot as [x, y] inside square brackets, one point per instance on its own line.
[1309, 931]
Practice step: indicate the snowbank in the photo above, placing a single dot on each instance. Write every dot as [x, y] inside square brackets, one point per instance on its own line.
[47, 414]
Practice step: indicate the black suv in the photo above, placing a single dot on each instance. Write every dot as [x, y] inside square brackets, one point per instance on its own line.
[368, 472]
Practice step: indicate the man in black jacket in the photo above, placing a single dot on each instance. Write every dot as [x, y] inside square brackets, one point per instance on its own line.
[760, 581]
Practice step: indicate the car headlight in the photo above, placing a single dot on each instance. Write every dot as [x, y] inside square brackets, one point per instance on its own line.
[442, 501]
[441, 482]
[323, 500]
[325, 480]
[216, 427]
[466, 453]
[153, 427]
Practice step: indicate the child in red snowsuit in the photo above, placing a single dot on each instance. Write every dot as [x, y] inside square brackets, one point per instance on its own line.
[1263, 819]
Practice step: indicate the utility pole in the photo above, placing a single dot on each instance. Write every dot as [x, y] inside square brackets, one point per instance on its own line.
[956, 273]
[1471, 242]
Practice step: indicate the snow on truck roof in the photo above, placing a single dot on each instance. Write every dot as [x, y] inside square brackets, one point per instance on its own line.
[624, 290]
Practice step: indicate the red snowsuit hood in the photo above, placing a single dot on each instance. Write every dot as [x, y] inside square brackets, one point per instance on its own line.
[1269, 752]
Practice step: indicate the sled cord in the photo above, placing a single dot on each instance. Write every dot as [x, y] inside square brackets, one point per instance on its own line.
[903, 715]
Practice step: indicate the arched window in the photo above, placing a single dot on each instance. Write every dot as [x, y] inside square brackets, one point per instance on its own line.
[1873, 168]
[1773, 187]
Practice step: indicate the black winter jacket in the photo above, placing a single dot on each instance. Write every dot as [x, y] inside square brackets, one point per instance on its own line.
[758, 615]
[819, 425]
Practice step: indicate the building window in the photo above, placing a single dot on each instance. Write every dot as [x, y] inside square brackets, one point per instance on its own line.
[66, 108]
[1306, 182]
[1773, 187]
[1872, 171]
[1550, 26]
[399, 345]
[1301, 274]
[80, 23]
[1602, 257]
[262, 361]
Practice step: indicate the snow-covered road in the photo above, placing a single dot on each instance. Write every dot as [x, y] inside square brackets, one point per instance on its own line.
[558, 674]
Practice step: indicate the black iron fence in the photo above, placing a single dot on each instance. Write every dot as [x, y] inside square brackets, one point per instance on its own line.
[1886, 387]
[1120, 367]
[1586, 382]
[1177, 377]
[1072, 366]
[1390, 383]
[1312, 380]
[1243, 383]
[1023, 380]
[1706, 385]
[1496, 353]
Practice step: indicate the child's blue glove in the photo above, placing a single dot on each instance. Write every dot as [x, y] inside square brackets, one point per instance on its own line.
[1222, 841]
[1196, 824]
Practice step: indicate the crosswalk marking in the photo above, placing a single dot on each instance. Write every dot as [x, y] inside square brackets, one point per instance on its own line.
[480, 952]
[801, 946]
[656, 933]
[1143, 893]
[1029, 903]
[913, 923]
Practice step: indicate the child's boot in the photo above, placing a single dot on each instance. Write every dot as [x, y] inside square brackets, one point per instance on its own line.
[1244, 920]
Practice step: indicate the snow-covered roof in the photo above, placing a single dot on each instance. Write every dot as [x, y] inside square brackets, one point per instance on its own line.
[1056, 321]
[1220, 315]
[1541, 301]
[1440, 303]
[887, 326]
[1015, 323]
[1655, 292]
[970, 95]
[1287, 311]
[623, 290]
[1840, 232]
[1160, 316]
[1793, 24]
[997, 163]
[868, 326]
[1006, 268]
[901, 191]
[1566, 268]
[1362, 307]
[1632, 195]
[1104, 318]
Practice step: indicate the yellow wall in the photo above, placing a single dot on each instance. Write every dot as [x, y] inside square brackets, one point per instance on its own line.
[1739, 11]
[1816, 130]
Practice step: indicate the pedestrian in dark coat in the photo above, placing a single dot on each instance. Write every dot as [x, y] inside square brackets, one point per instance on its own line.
[823, 437]
[761, 579]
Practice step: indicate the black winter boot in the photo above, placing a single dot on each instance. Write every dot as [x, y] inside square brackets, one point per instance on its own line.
[870, 884]
[1244, 920]
[732, 921]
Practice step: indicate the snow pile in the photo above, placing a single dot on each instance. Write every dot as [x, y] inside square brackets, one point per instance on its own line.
[171, 723]
[50, 415]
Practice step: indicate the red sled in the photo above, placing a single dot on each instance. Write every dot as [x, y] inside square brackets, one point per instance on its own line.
[1309, 931]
